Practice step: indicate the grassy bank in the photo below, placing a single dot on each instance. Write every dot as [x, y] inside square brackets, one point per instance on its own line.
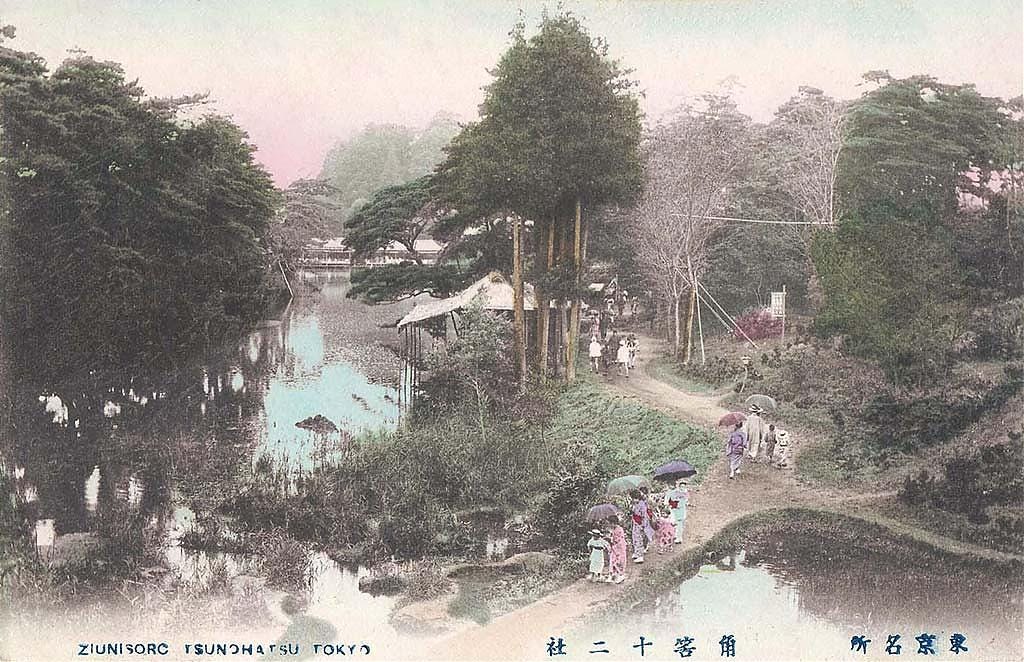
[628, 437]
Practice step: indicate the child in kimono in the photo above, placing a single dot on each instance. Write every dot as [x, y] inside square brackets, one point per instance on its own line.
[782, 446]
[617, 552]
[622, 358]
[598, 549]
[676, 500]
[641, 515]
[634, 349]
[666, 532]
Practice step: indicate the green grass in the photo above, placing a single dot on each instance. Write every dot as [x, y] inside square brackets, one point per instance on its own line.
[665, 369]
[629, 437]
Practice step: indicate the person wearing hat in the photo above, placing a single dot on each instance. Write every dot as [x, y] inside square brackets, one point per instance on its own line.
[754, 427]
[599, 548]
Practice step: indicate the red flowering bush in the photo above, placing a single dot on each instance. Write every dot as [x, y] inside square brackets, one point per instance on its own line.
[758, 323]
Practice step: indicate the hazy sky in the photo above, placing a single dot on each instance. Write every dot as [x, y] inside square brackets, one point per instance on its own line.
[300, 74]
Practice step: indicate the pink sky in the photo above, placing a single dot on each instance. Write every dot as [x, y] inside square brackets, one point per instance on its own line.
[302, 74]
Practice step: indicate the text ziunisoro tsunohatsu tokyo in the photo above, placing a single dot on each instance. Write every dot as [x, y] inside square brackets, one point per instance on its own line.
[202, 649]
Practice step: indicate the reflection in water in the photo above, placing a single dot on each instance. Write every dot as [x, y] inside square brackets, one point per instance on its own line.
[91, 491]
[802, 595]
[164, 448]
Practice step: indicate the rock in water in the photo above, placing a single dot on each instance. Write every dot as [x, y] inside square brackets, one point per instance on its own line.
[318, 423]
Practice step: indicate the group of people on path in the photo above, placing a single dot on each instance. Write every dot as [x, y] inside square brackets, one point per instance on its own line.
[749, 436]
[651, 525]
[606, 351]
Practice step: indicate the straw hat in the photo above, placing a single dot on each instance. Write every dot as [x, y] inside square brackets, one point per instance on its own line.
[595, 532]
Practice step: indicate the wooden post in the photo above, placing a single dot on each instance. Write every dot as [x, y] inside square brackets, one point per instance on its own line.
[700, 328]
[561, 322]
[782, 338]
[544, 300]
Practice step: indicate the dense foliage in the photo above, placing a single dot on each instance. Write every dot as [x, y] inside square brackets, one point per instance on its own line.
[129, 233]
[913, 252]
[893, 287]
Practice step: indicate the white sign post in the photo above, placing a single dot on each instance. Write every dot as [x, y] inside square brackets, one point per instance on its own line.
[778, 308]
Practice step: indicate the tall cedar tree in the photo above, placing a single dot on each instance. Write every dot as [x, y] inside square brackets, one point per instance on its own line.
[558, 135]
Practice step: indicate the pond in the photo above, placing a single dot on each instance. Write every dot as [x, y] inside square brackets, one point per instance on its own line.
[161, 448]
[799, 593]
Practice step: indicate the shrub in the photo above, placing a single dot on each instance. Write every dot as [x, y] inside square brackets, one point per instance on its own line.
[986, 486]
[922, 419]
[757, 324]
[717, 371]
[409, 530]
[472, 373]
[426, 580]
[574, 486]
[997, 331]
[285, 561]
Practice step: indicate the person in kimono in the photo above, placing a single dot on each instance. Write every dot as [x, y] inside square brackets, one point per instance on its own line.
[641, 525]
[595, 354]
[598, 550]
[754, 428]
[769, 444]
[783, 446]
[634, 349]
[734, 449]
[666, 532]
[622, 358]
[617, 552]
[676, 500]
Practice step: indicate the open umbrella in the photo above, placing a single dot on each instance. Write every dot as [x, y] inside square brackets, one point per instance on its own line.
[625, 484]
[674, 470]
[732, 418]
[762, 401]
[602, 512]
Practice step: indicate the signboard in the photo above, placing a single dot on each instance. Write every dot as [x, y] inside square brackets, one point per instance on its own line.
[778, 306]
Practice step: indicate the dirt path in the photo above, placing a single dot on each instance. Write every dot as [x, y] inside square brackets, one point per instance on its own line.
[716, 502]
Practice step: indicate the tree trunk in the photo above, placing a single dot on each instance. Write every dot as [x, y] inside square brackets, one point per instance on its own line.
[574, 315]
[560, 320]
[518, 309]
[675, 324]
[689, 326]
[545, 249]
